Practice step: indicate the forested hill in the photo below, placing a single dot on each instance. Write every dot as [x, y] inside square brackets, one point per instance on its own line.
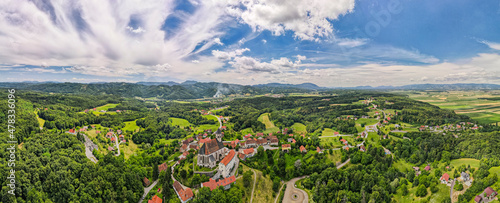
[188, 90]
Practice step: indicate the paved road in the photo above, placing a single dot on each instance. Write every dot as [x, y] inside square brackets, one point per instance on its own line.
[117, 145]
[146, 191]
[451, 189]
[254, 181]
[301, 194]
[291, 190]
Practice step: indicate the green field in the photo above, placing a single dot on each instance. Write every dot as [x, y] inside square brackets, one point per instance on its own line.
[367, 121]
[327, 132]
[474, 163]
[208, 126]
[495, 170]
[299, 128]
[130, 126]
[264, 118]
[41, 122]
[402, 166]
[180, 122]
[438, 197]
[246, 131]
[211, 117]
[470, 103]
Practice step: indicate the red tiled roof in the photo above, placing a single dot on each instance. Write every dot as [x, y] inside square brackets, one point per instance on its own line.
[248, 151]
[489, 191]
[293, 141]
[109, 134]
[72, 130]
[184, 194]
[241, 155]
[302, 148]
[162, 167]
[155, 199]
[205, 140]
[427, 168]
[228, 158]
[318, 149]
[336, 133]
[285, 146]
[342, 140]
[212, 184]
[445, 177]
[478, 199]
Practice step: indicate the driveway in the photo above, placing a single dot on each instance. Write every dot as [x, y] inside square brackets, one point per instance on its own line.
[293, 194]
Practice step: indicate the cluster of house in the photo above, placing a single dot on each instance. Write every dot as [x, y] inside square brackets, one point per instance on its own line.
[73, 131]
[487, 195]
[102, 111]
[458, 127]
[427, 168]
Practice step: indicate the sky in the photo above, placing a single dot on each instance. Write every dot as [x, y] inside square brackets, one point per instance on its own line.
[331, 43]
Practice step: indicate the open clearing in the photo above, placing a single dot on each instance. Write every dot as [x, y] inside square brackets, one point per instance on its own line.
[471, 103]
[299, 128]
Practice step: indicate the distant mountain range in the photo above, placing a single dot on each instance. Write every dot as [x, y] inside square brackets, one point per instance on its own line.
[195, 90]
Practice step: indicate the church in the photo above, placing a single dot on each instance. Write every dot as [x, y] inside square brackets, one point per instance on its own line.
[212, 151]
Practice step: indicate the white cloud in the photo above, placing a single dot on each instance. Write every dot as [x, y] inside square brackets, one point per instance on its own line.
[245, 64]
[137, 30]
[222, 55]
[217, 41]
[350, 43]
[195, 61]
[492, 45]
[264, 41]
[307, 19]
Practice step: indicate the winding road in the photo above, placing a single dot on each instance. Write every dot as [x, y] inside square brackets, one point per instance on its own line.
[300, 195]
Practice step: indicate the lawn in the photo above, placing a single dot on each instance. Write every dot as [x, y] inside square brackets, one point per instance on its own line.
[181, 122]
[330, 142]
[334, 157]
[211, 117]
[327, 132]
[263, 189]
[495, 170]
[299, 128]
[246, 131]
[130, 126]
[247, 191]
[402, 166]
[443, 193]
[40, 121]
[264, 118]
[367, 121]
[474, 163]
[128, 150]
[208, 126]
[106, 107]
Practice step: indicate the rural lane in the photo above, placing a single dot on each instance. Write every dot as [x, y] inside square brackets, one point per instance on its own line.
[146, 191]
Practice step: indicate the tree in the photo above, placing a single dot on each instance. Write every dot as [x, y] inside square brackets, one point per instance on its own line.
[421, 191]
[404, 190]
[155, 172]
[247, 178]
[166, 181]
[276, 184]
[459, 187]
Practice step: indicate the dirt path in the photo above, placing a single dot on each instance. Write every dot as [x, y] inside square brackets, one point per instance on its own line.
[254, 181]
[278, 196]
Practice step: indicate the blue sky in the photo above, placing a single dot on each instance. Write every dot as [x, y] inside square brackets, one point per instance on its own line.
[327, 42]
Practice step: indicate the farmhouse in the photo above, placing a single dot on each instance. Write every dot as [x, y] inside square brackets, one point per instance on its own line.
[478, 199]
[303, 149]
[286, 147]
[184, 195]
[250, 143]
[246, 153]
[489, 193]
[155, 199]
[445, 178]
[427, 168]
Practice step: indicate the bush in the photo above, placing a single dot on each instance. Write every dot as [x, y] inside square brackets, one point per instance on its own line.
[421, 191]
[458, 187]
